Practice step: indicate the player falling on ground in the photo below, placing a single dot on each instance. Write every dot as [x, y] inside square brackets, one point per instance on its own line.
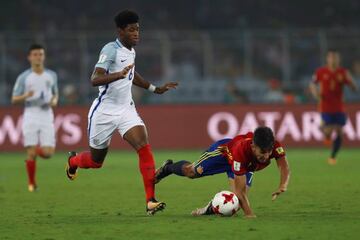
[239, 158]
[114, 108]
[37, 89]
[331, 79]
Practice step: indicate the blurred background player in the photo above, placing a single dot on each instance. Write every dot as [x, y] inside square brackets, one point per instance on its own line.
[37, 89]
[114, 109]
[239, 158]
[331, 80]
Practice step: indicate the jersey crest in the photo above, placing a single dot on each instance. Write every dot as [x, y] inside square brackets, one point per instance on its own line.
[279, 150]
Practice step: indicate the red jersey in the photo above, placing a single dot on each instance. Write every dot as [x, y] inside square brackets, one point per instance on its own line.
[241, 158]
[331, 88]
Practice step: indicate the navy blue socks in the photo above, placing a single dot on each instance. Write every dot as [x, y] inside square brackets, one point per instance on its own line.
[176, 167]
[336, 146]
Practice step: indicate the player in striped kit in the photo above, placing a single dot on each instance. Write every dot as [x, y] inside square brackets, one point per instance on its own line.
[239, 158]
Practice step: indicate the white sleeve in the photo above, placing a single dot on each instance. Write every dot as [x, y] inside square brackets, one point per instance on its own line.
[107, 57]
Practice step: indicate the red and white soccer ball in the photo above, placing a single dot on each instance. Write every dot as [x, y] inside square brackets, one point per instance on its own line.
[225, 203]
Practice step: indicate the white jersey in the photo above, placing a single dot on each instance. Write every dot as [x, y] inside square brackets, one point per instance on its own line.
[44, 86]
[114, 97]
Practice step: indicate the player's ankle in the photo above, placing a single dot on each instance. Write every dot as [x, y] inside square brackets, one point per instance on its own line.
[152, 199]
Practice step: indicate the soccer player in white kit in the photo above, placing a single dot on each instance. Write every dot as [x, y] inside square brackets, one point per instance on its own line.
[114, 109]
[37, 89]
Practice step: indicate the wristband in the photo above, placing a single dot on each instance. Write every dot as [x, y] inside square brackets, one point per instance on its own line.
[152, 88]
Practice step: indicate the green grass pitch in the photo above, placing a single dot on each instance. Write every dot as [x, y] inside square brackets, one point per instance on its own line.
[322, 202]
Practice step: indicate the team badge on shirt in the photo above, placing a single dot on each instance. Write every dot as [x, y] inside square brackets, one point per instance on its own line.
[279, 150]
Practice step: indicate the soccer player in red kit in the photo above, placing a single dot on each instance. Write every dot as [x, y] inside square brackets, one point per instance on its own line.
[331, 80]
[114, 109]
[239, 158]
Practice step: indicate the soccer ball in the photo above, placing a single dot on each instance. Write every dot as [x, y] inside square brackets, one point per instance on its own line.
[225, 203]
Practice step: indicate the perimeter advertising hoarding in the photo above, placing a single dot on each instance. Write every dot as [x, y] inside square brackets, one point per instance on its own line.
[191, 126]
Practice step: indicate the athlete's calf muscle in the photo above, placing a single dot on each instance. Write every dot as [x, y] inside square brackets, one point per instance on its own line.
[189, 171]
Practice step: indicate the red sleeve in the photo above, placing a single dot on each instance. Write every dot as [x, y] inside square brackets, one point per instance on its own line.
[278, 151]
[239, 166]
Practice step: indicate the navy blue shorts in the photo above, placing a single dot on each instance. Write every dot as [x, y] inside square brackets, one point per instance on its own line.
[334, 118]
[212, 161]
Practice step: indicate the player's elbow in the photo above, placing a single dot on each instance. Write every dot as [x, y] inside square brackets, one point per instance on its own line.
[354, 87]
[285, 169]
[14, 100]
[312, 86]
[94, 82]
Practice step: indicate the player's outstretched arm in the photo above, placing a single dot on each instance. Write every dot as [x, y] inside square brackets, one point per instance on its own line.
[21, 98]
[141, 82]
[100, 77]
[240, 191]
[351, 81]
[314, 89]
[284, 169]
[54, 101]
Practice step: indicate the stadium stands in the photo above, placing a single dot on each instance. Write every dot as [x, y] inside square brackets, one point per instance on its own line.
[247, 47]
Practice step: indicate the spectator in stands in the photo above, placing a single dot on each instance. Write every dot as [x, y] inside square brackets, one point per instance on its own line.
[233, 94]
[274, 94]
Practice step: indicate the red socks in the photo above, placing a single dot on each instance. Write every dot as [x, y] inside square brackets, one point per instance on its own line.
[147, 169]
[31, 169]
[83, 160]
[146, 165]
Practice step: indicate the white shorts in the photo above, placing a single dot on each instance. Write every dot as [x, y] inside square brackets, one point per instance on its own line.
[38, 133]
[102, 126]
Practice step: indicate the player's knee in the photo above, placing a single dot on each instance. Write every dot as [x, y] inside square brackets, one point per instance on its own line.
[327, 131]
[325, 128]
[31, 156]
[192, 176]
[48, 152]
[189, 172]
[339, 131]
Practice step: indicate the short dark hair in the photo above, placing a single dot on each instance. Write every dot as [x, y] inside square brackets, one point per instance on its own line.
[123, 18]
[264, 138]
[35, 46]
[332, 50]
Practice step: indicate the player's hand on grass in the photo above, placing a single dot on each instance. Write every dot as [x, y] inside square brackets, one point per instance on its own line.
[123, 73]
[277, 193]
[250, 216]
[166, 87]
